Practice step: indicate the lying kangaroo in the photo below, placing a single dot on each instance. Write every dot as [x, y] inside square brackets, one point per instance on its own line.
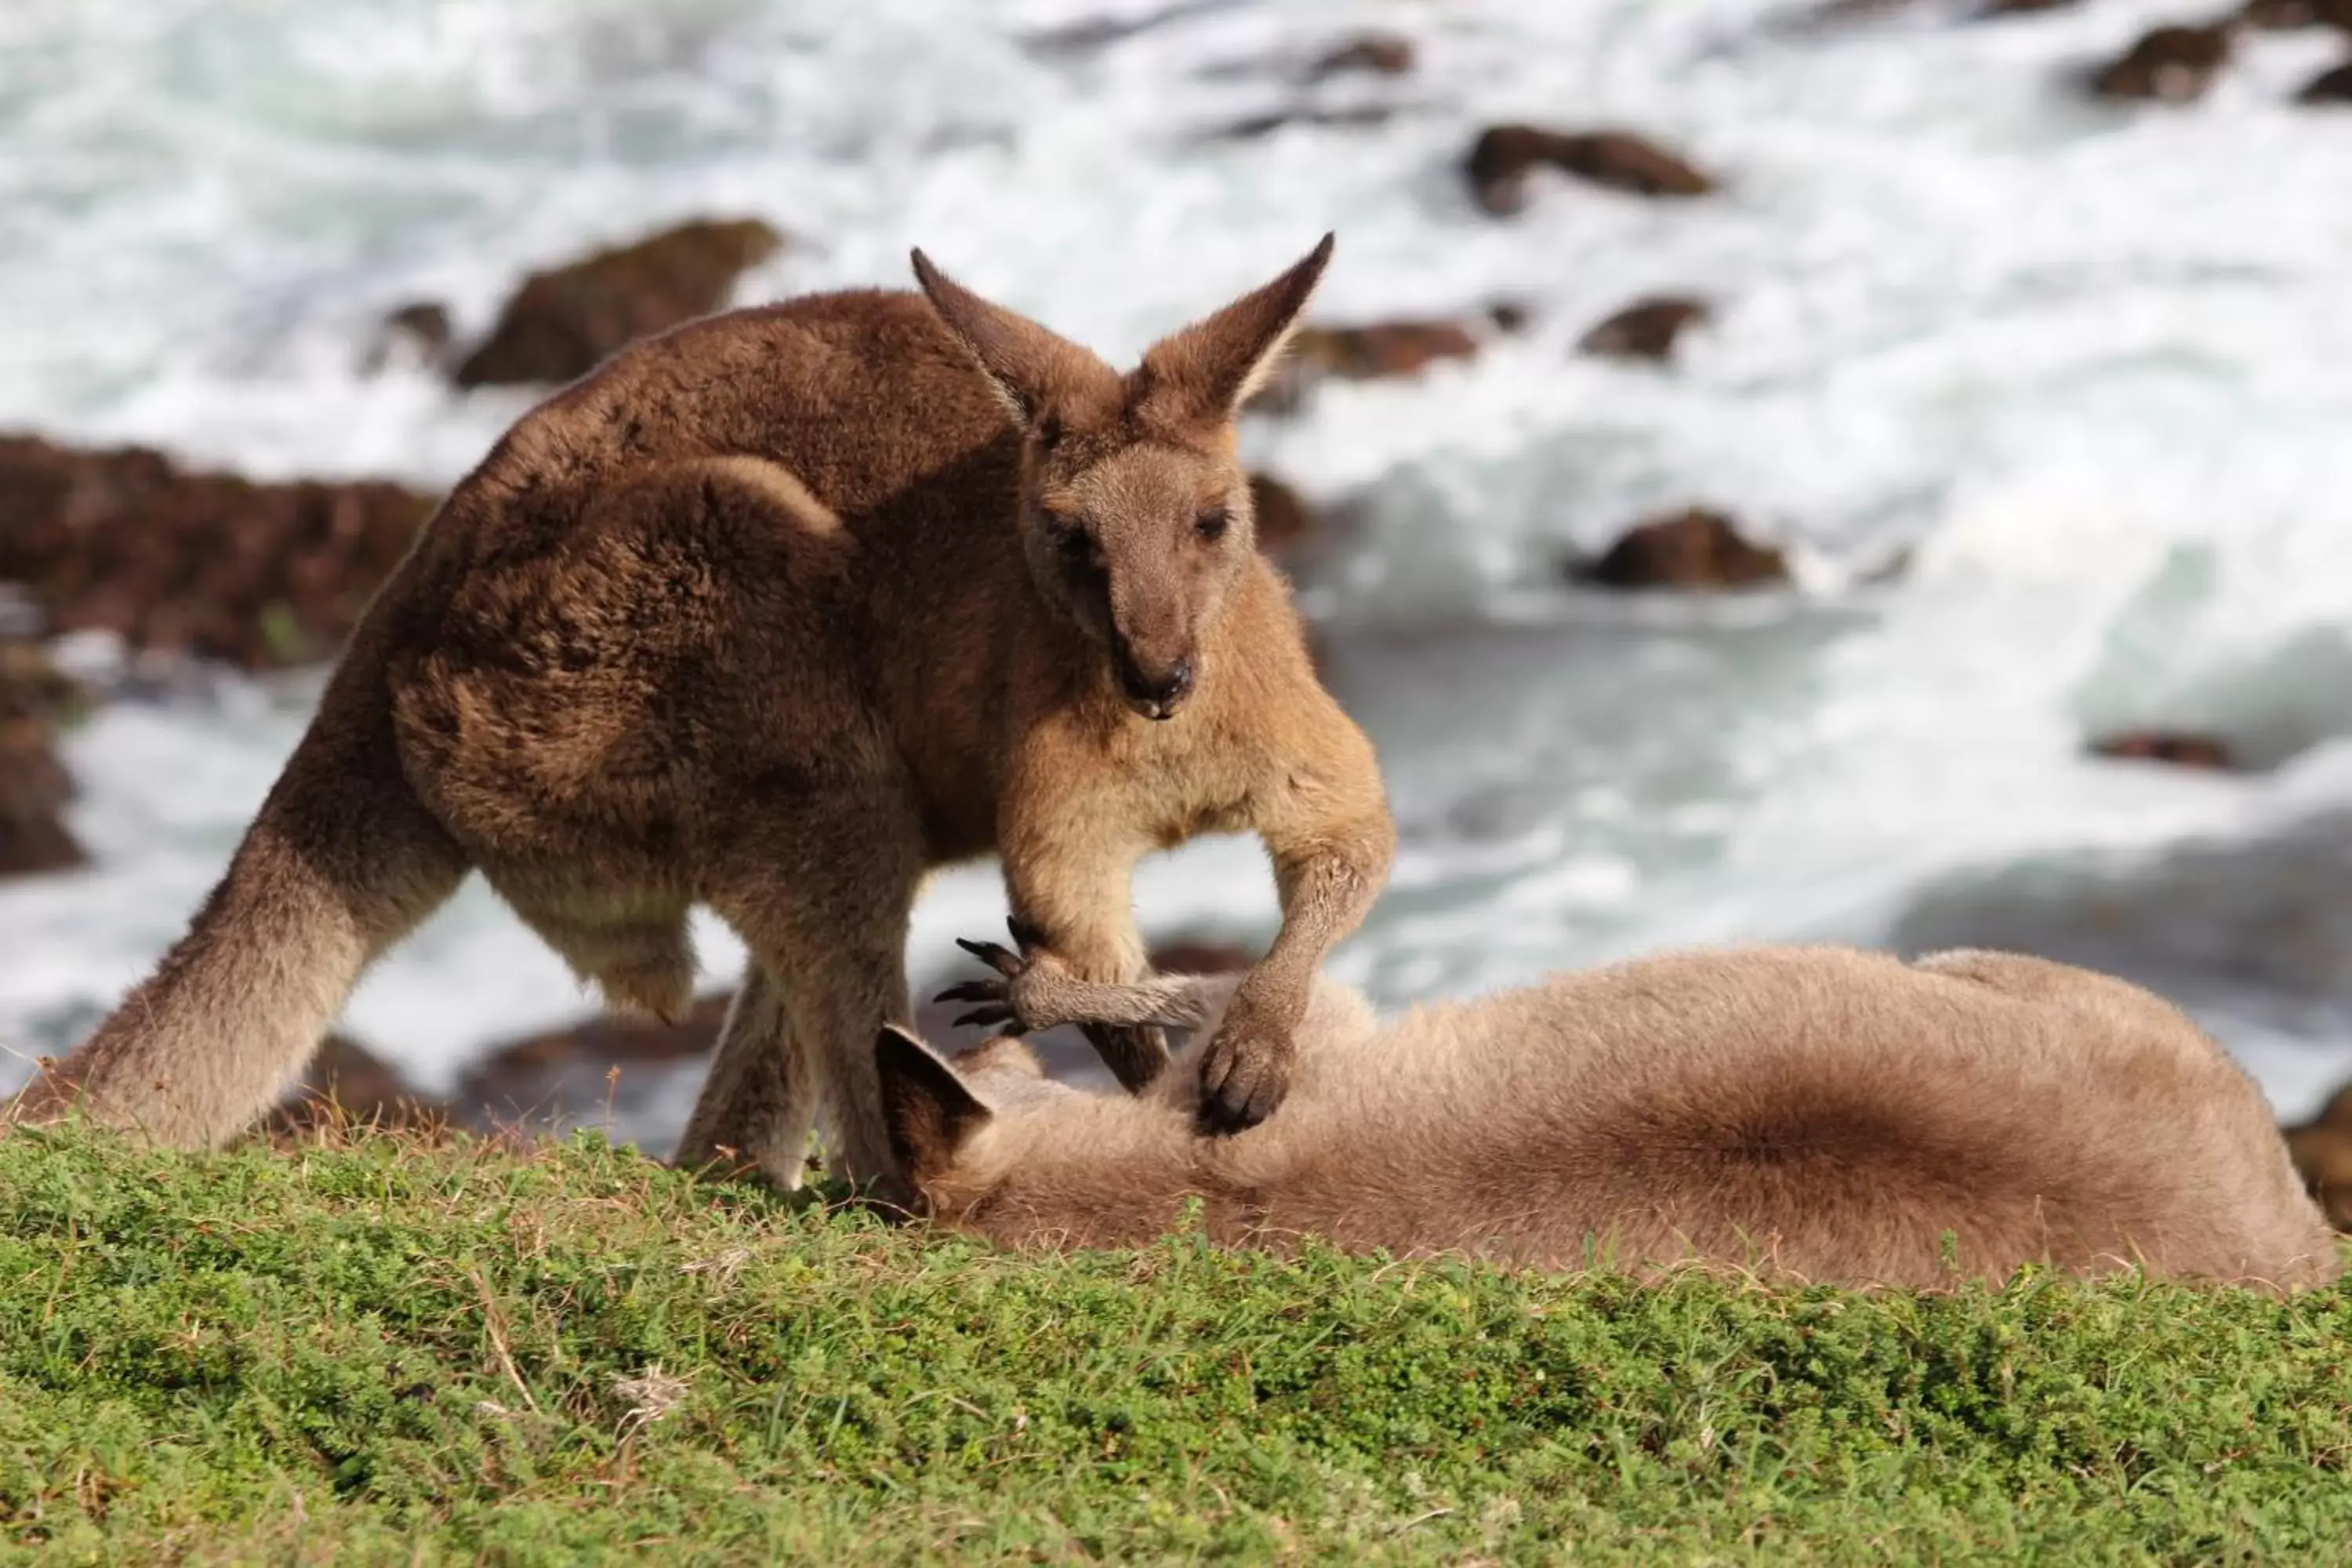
[774, 612]
[1813, 1113]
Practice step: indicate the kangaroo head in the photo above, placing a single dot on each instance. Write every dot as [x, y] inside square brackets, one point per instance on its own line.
[934, 1110]
[1135, 512]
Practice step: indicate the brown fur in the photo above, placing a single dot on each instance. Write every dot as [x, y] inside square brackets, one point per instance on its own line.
[1816, 1113]
[775, 613]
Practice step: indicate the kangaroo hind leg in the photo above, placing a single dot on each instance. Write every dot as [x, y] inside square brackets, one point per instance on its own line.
[821, 893]
[759, 1102]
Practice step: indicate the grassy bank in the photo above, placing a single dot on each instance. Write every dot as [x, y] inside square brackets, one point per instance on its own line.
[396, 1351]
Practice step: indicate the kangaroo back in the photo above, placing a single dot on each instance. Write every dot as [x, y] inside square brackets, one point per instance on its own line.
[1835, 1114]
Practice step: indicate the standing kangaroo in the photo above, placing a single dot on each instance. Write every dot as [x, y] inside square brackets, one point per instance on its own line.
[774, 612]
[1818, 1112]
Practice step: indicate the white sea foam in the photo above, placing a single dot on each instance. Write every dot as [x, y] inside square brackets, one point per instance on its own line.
[2086, 362]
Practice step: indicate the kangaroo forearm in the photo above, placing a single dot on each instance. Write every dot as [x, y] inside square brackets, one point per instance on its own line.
[1326, 893]
[1175, 1001]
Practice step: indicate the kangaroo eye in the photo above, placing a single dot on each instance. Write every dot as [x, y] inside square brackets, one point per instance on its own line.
[1211, 524]
[1077, 545]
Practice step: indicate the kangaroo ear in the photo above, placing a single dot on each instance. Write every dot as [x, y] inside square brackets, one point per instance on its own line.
[1212, 367]
[1032, 369]
[927, 1109]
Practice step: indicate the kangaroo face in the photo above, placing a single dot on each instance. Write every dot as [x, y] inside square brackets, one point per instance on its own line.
[1135, 514]
[1139, 549]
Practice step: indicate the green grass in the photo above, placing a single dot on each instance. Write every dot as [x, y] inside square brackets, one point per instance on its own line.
[400, 1351]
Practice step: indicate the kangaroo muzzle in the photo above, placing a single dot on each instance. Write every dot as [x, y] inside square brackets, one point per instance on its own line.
[1155, 689]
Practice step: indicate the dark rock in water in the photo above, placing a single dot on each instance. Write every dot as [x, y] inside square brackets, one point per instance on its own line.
[564, 321]
[1824, 16]
[2331, 86]
[1369, 353]
[570, 1065]
[1646, 328]
[1509, 315]
[347, 1085]
[1382, 54]
[612, 1037]
[1201, 956]
[1832, 14]
[1095, 33]
[260, 575]
[1284, 518]
[1694, 548]
[2322, 1151]
[2167, 746]
[420, 331]
[1892, 567]
[33, 785]
[2282, 14]
[1250, 127]
[2173, 65]
[1504, 156]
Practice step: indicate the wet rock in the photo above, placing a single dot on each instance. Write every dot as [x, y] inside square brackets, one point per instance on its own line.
[564, 321]
[260, 575]
[1891, 567]
[518, 1072]
[1250, 127]
[2322, 1151]
[1370, 352]
[1694, 548]
[1504, 156]
[1826, 15]
[2331, 86]
[419, 333]
[634, 1076]
[33, 785]
[2186, 751]
[348, 1085]
[1509, 315]
[2172, 65]
[1284, 521]
[1200, 955]
[1092, 34]
[1646, 328]
[1381, 54]
[2278, 16]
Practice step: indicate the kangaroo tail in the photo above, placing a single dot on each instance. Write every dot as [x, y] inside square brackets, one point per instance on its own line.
[342, 861]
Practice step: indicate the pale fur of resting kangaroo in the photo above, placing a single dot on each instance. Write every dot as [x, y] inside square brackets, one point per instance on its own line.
[774, 612]
[1813, 1114]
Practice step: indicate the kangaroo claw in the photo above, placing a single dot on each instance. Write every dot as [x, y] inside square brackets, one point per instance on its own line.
[1008, 964]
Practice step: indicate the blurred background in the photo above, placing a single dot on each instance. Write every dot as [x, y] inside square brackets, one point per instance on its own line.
[1877, 470]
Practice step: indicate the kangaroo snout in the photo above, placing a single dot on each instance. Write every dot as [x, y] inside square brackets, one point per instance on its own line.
[1153, 687]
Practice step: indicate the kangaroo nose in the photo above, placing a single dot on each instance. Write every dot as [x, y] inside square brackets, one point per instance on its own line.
[1156, 696]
